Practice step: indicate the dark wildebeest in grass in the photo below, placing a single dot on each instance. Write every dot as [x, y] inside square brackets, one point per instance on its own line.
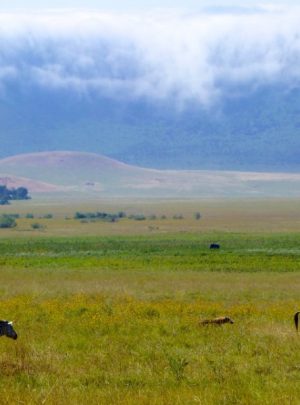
[296, 320]
[216, 321]
[214, 246]
[6, 329]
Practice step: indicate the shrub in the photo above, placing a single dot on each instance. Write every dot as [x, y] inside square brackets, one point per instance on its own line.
[7, 221]
[178, 216]
[48, 216]
[36, 225]
[79, 215]
[122, 214]
[138, 217]
[29, 216]
[15, 216]
[197, 215]
[101, 216]
[4, 201]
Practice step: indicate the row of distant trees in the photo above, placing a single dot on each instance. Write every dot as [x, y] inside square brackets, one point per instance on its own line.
[108, 217]
[8, 194]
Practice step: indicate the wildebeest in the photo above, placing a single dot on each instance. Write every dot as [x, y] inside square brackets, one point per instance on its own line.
[216, 321]
[296, 319]
[6, 329]
[214, 246]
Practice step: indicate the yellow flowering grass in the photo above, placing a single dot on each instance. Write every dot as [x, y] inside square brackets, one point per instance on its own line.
[115, 320]
[120, 349]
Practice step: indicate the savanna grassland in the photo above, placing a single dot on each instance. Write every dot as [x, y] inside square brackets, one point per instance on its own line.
[108, 313]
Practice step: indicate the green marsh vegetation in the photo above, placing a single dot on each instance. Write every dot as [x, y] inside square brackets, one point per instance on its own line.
[112, 316]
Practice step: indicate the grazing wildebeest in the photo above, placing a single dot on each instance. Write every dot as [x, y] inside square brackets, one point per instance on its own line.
[6, 329]
[214, 246]
[296, 319]
[217, 321]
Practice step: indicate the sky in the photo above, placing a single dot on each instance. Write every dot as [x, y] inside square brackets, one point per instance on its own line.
[170, 54]
[126, 5]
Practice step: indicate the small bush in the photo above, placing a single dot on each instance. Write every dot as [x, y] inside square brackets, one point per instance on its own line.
[7, 221]
[197, 215]
[15, 216]
[36, 225]
[138, 217]
[48, 216]
[29, 216]
[122, 214]
[101, 216]
[4, 201]
[79, 215]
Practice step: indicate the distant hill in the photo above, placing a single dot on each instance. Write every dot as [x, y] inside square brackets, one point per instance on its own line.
[88, 174]
[34, 186]
[256, 131]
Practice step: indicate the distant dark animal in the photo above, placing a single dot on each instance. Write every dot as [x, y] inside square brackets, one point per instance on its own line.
[217, 321]
[296, 319]
[214, 246]
[6, 329]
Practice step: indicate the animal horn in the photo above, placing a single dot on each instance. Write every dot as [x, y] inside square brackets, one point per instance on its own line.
[296, 319]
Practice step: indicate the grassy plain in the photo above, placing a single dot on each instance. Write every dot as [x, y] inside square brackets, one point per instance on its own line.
[271, 215]
[108, 313]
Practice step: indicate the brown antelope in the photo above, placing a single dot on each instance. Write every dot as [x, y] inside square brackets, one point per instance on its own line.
[216, 321]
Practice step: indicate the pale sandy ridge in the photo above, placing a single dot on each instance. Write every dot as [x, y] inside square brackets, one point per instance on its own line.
[89, 173]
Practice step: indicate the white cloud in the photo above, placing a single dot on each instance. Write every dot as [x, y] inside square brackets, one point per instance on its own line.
[159, 56]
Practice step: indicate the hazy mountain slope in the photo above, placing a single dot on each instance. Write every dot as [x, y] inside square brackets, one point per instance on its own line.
[65, 168]
[34, 186]
[96, 175]
[259, 131]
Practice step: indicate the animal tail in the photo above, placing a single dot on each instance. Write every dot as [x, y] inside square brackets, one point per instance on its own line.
[296, 319]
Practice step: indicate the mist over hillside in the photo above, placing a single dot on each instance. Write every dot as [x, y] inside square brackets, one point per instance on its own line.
[165, 91]
[256, 132]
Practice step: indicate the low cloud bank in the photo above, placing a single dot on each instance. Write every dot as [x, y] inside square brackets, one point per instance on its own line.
[156, 56]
